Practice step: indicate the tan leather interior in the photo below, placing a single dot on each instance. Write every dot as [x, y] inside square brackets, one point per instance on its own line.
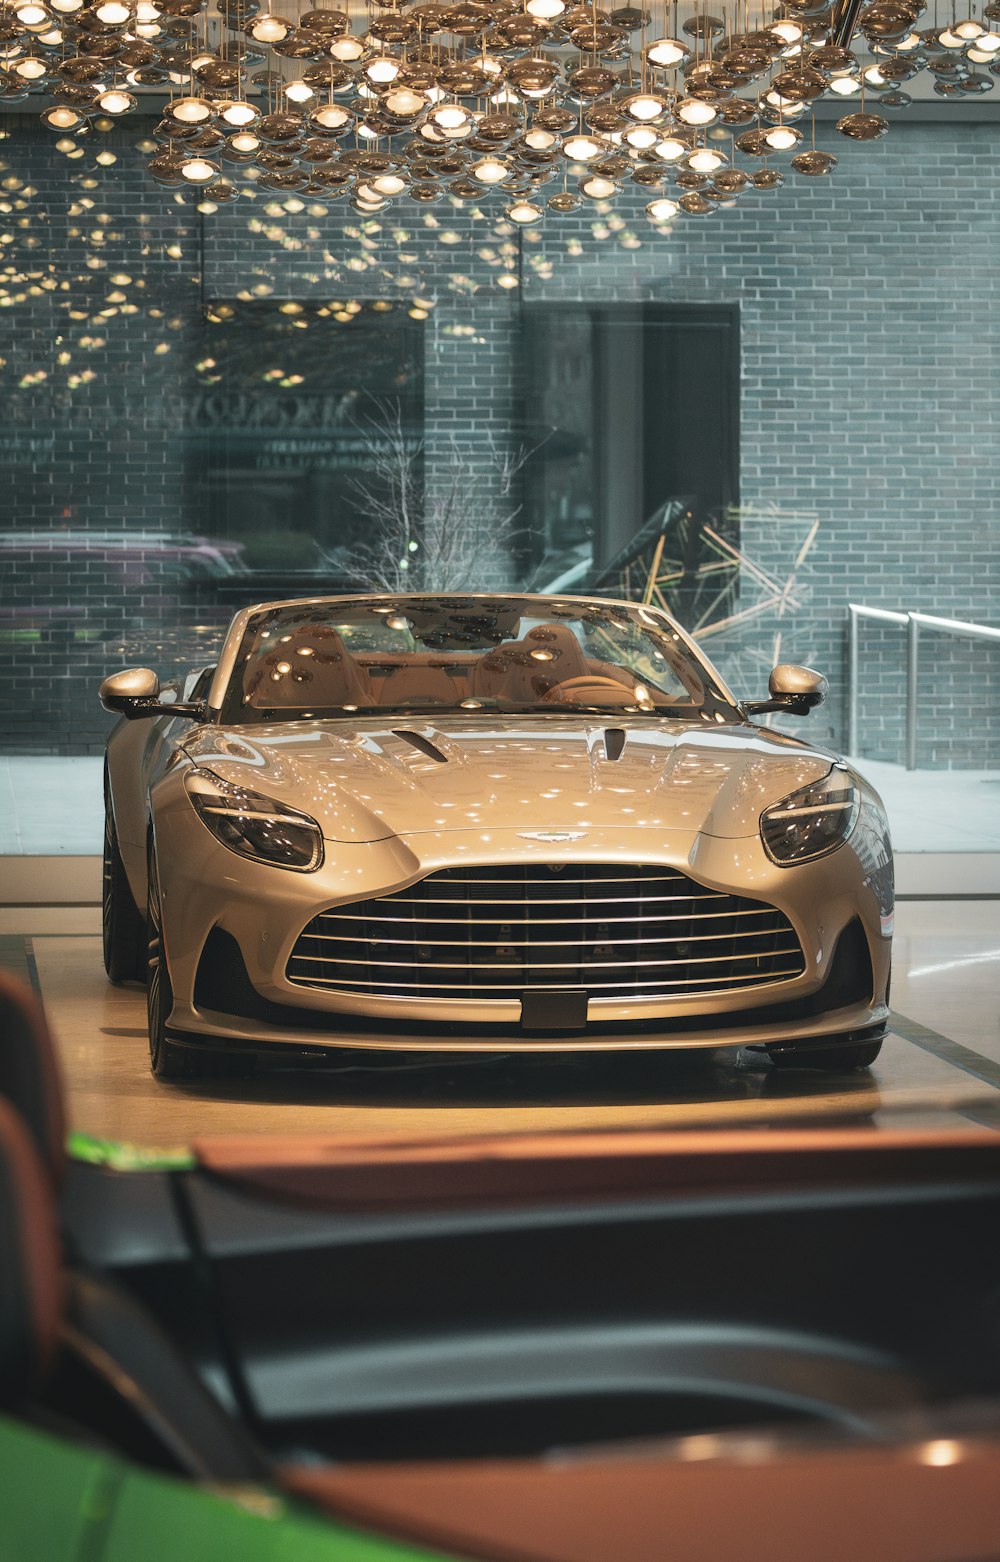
[418, 676]
[29, 1071]
[648, 1505]
[31, 1288]
[527, 669]
[359, 1173]
[311, 666]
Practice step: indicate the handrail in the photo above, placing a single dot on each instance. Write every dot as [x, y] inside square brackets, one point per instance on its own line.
[912, 622]
[958, 627]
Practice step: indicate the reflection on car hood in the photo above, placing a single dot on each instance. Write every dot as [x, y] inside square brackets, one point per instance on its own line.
[371, 779]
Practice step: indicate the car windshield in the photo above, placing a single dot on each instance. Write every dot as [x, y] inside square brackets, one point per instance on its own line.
[433, 655]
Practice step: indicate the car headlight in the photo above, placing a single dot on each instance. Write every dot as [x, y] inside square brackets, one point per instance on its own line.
[814, 820]
[253, 825]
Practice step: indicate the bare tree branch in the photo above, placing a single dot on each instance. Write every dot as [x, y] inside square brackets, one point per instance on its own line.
[448, 535]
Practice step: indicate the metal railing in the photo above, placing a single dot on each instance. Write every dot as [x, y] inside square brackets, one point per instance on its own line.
[913, 623]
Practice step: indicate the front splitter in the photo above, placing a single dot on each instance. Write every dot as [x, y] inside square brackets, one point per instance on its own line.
[239, 1034]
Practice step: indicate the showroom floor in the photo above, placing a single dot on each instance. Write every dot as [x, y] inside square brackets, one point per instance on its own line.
[939, 1068]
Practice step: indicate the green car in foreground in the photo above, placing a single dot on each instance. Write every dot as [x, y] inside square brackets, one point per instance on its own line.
[63, 1503]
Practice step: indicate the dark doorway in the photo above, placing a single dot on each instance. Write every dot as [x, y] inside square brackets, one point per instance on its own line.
[635, 405]
[292, 408]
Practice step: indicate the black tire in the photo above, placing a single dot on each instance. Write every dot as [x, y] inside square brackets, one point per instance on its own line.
[842, 1059]
[166, 1058]
[123, 928]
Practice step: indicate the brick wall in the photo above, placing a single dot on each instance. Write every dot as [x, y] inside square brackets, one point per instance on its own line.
[869, 396]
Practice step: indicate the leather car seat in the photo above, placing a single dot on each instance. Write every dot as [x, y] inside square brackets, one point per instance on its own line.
[30, 1077]
[313, 667]
[31, 1279]
[527, 669]
[420, 678]
[75, 1349]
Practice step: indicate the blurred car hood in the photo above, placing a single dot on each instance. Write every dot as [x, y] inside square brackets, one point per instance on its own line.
[372, 779]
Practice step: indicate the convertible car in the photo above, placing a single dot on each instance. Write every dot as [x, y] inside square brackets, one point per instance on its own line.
[486, 823]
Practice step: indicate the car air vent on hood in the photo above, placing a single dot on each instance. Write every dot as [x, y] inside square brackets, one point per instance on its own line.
[614, 742]
[424, 745]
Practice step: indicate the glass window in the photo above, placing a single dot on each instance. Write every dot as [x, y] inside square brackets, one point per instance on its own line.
[489, 654]
[279, 398]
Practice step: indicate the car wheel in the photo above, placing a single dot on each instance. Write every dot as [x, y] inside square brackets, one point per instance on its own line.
[166, 1058]
[122, 926]
[841, 1059]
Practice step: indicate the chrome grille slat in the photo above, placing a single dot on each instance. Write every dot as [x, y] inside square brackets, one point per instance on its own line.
[653, 900]
[549, 965]
[429, 940]
[515, 943]
[558, 900]
[553, 922]
[392, 990]
[658, 877]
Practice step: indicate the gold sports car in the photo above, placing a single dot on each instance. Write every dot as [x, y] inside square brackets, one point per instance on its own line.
[486, 823]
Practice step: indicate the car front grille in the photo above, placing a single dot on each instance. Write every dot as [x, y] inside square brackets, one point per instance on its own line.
[615, 931]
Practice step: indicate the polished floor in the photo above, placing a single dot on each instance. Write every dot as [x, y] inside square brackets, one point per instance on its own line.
[939, 1068]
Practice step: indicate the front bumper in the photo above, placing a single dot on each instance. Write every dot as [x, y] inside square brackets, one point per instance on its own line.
[209, 891]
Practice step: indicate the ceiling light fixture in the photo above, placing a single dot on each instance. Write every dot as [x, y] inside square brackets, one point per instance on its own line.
[509, 94]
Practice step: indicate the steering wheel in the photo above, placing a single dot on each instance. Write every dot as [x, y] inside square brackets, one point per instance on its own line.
[584, 688]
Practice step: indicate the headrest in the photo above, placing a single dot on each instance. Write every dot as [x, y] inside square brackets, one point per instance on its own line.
[31, 1296]
[29, 1072]
[310, 666]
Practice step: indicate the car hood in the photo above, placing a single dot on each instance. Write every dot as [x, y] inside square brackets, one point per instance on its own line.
[368, 780]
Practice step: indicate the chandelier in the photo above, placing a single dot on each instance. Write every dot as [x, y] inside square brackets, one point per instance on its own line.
[540, 106]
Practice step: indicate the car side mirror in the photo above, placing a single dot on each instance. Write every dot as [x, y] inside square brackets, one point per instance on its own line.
[795, 690]
[135, 693]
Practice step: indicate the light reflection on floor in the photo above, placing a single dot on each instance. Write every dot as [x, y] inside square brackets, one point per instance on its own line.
[941, 1066]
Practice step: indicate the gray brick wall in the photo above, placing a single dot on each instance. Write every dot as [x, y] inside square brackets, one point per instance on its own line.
[869, 396]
